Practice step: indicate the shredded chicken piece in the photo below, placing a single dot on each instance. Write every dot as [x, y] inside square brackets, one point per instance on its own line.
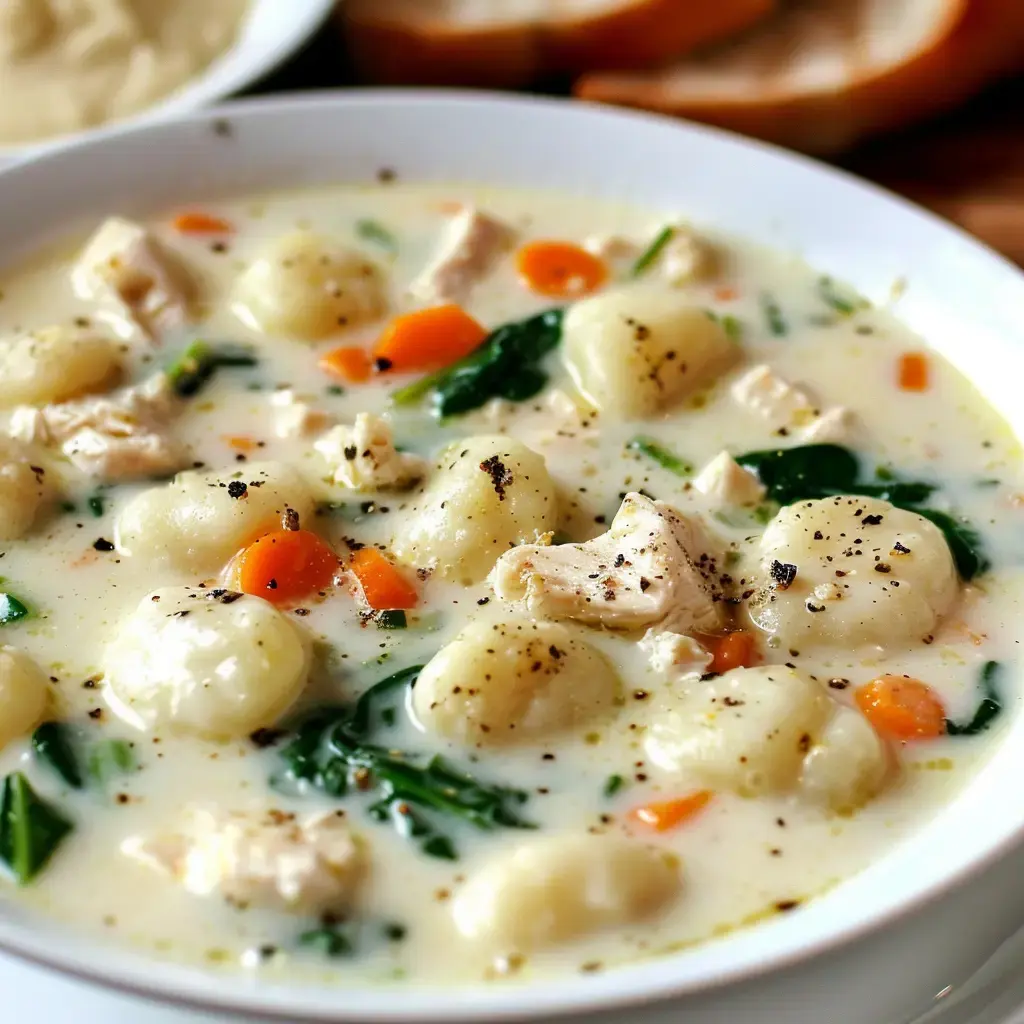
[113, 437]
[686, 257]
[726, 481]
[613, 248]
[673, 655]
[763, 392]
[363, 456]
[270, 860]
[837, 425]
[294, 417]
[124, 262]
[472, 245]
[654, 566]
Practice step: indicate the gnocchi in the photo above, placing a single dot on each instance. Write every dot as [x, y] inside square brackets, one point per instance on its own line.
[24, 490]
[486, 494]
[513, 680]
[207, 662]
[24, 694]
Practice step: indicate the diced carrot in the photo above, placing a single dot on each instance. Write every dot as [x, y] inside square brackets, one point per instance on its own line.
[241, 443]
[734, 650]
[669, 814]
[195, 222]
[560, 270]
[726, 293]
[285, 565]
[450, 206]
[913, 371]
[428, 339]
[902, 708]
[384, 587]
[350, 363]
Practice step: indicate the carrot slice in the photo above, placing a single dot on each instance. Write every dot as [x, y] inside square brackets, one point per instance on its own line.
[734, 650]
[350, 363]
[669, 814]
[285, 565]
[726, 293]
[195, 222]
[560, 270]
[902, 708]
[428, 339]
[913, 371]
[384, 587]
[241, 443]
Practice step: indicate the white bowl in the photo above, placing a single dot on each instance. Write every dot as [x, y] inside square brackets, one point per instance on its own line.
[273, 30]
[964, 299]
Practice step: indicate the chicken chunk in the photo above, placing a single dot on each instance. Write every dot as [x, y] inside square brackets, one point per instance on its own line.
[686, 258]
[294, 417]
[673, 655]
[764, 393]
[472, 245]
[271, 860]
[727, 482]
[363, 456]
[654, 566]
[116, 437]
[123, 262]
[837, 425]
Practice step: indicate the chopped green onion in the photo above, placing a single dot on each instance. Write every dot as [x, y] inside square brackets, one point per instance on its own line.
[613, 784]
[31, 829]
[327, 940]
[829, 294]
[653, 251]
[200, 361]
[732, 325]
[374, 231]
[391, 620]
[52, 745]
[661, 455]
[773, 314]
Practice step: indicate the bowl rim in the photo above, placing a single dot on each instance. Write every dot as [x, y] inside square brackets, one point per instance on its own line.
[627, 986]
[246, 62]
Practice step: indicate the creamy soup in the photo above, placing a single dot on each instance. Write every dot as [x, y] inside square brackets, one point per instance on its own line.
[67, 65]
[459, 584]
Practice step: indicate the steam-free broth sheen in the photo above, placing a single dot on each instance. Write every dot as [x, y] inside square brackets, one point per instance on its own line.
[710, 566]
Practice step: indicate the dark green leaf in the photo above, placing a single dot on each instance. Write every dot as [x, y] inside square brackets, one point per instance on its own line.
[660, 454]
[358, 722]
[777, 325]
[652, 252]
[374, 231]
[11, 609]
[989, 708]
[52, 745]
[200, 361]
[96, 505]
[31, 829]
[328, 940]
[613, 784]
[964, 542]
[110, 758]
[69, 507]
[391, 620]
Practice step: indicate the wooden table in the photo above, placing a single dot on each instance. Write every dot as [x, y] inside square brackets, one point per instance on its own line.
[968, 167]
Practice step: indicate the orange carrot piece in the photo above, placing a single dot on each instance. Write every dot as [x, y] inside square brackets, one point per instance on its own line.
[428, 339]
[913, 371]
[241, 443]
[560, 270]
[902, 708]
[285, 565]
[384, 587]
[195, 222]
[669, 814]
[734, 650]
[726, 293]
[350, 363]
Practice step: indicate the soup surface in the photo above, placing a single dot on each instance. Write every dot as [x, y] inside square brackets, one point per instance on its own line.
[458, 584]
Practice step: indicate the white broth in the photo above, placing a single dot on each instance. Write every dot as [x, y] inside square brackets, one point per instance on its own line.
[679, 784]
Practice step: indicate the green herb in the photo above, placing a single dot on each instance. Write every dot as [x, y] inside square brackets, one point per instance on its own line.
[613, 784]
[391, 620]
[330, 748]
[505, 365]
[11, 609]
[388, 716]
[652, 252]
[96, 505]
[988, 709]
[843, 305]
[200, 361]
[773, 314]
[68, 507]
[31, 829]
[732, 325]
[52, 745]
[395, 932]
[111, 758]
[334, 389]
[661, 455]
[374, 231]
[825, 470]
[340, 509]
[329, 940]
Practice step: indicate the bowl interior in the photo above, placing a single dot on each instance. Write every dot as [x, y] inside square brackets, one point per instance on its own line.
[962, 298]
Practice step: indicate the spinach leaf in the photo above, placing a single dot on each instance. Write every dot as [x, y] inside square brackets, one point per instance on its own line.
[110, 758]
[374, 231]
[660, 454]
[505, 365]
[823, 470]
[329, 940]
[330, 751]
[200, 361]
[96, 505]
[11, 609]
[31, 829]
[52, 745]
[391, 620]
[652, 252]
[988, 709]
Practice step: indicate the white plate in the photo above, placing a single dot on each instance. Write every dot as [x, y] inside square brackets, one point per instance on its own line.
[964, 299]
[273, 30]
